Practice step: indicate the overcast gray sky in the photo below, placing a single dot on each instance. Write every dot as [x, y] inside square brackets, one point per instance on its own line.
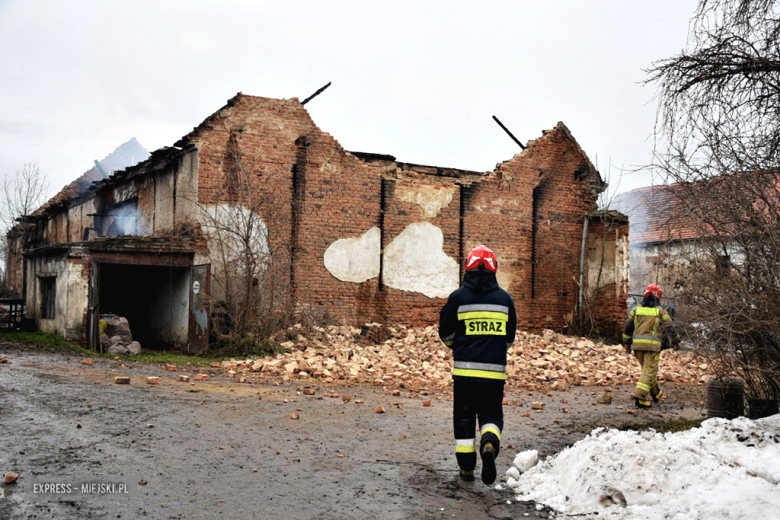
[415, 79]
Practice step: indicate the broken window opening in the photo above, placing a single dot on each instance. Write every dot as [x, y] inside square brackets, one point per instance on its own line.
[48, 297]
[117, 220]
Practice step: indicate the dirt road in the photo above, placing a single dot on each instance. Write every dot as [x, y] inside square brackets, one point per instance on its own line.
[198, 460]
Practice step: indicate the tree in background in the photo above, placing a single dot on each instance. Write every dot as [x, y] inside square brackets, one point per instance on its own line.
[718, 135]
[20, 195]
[250, 283]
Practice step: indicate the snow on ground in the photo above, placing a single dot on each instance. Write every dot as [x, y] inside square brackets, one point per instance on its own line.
[725, 469]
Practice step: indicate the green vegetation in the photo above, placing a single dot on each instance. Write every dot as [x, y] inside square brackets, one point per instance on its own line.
[54, 343]
[50, 341]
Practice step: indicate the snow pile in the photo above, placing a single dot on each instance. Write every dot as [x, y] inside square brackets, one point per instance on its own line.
[725, 469]
[525, 460]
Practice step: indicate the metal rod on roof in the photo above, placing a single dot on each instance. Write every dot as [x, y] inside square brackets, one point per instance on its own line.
[315, 94]
[508, 132]
[101, 170]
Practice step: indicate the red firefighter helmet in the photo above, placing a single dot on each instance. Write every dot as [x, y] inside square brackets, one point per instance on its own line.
[482, 255]
[654, 290]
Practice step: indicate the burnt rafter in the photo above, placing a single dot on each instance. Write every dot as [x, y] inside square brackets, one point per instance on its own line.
[319, 91]
[510, 134]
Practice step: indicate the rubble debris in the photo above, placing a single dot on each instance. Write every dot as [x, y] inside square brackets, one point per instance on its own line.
[537, 405]
[122, 380]
[294, 415]
[86, 361]
[415, 359]
[183, 379]
[201, 377]
[612, 496]
[309, 391]
[10, 478]
[5, 361]
[604, 399]
[153, 380]
[380, 409]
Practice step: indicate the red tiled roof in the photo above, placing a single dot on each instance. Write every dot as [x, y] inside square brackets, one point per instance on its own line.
[655, 214]
[724, 205]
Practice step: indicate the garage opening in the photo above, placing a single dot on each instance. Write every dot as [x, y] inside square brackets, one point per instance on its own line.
[154, 299]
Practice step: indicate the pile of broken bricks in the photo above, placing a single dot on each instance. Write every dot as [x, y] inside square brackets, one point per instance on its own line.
[415, 359]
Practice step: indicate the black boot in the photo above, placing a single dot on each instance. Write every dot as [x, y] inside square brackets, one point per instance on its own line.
[642, 404]
[657, 398]
[467, 476]
[488, 464]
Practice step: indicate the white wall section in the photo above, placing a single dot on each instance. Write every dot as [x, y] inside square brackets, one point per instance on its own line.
[431, 199]
[354, 259]
[415, 261]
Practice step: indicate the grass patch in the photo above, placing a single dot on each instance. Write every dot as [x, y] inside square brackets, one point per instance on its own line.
[42, 339]
[54, 343]
[679, 425]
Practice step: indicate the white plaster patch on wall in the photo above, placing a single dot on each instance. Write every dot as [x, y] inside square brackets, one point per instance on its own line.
[228, 227]
[354, 259]
[415, 262]
[431, 199]
[504, 278]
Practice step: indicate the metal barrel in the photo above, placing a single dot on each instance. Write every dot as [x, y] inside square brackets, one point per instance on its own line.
[725, 397]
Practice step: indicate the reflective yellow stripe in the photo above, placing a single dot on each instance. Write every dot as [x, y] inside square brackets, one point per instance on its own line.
[483, 314]
[626, 337]
[491, 429]
[468, 372]
[643, 386]
[645, 403]
[465, 449]
[647, 311]
[666, 317]
[646, 341]
[449, 343]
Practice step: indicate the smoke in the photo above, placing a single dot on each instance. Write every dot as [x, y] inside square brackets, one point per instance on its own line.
[122, 219]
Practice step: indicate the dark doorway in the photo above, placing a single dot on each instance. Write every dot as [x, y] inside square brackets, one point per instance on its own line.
[154, 299]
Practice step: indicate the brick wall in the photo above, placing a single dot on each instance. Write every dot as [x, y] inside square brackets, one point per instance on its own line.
[530, 210]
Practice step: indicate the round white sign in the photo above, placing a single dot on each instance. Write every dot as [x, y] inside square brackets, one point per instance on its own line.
[196, 287]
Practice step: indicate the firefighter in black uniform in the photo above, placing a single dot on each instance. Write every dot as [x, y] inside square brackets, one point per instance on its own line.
[478, 323]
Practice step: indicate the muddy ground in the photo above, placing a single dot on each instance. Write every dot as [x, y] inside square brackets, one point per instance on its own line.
[199, 458]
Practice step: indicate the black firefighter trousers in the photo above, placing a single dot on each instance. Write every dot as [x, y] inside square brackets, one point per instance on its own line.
[476, 399]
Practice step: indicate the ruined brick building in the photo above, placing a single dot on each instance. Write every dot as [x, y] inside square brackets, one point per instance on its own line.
[364, 236]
